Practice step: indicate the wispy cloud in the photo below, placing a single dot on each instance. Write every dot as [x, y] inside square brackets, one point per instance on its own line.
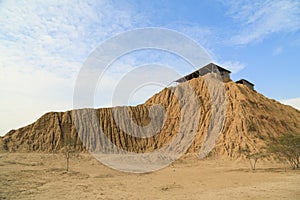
[203, 35]
[277, 51]
[295, 102]
[233, 66]
[43, 45]
[54, 35]
[259, 19]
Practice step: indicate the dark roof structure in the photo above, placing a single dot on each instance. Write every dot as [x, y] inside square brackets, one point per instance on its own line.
[246, 83]
[211, 67]
[243, 81]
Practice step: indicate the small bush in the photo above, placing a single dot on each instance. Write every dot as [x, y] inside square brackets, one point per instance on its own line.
[286, 147]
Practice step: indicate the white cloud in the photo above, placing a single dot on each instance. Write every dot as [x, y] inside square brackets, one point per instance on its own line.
[292, 102]
[233, 66]
[25, 96]
[43, 45]
[261, 18]
[38, 34]
[203, 35]
[277, 51]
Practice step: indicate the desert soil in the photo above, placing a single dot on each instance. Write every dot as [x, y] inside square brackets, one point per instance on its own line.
[43, 176]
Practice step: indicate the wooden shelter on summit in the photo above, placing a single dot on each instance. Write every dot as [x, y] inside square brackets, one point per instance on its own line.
[247, 83]
[210, 68]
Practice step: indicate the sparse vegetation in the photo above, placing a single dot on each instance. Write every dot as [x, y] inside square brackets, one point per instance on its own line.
[67, 155]
[69, 150]
[286, 147]
[253, 157]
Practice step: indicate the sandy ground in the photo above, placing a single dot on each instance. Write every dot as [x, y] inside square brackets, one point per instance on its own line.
[43, 176]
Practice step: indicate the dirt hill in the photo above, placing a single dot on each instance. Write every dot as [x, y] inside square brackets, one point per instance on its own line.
[249, 120]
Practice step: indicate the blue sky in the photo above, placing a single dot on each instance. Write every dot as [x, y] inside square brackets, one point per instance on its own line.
[43, 45]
